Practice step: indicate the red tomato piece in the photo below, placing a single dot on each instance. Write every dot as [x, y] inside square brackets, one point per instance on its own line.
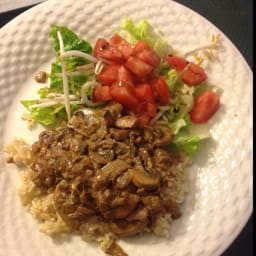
[122, 45]
[144, 52]
[101, 44]
[161, 90]
[125, 77]
[102, 49]
[140, 46]
[175, 62]
[109, 74]
[138, 67]
[151, 109]
[144, 119]
[124, 94]
[194, 75]
[101, 94]
[144, 92]
[205, 106]
[149, 57]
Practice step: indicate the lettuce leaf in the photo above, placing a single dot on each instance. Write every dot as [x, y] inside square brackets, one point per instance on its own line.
[143, 31]
[188, 144]
[71, 41]
[48, 116]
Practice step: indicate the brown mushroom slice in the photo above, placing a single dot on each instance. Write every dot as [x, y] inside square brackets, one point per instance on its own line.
[126, 122]
[143, 179]
[110, 172]
[102, 156]
[116, 250]
[123, 180]
[162, 134]
[71, 211]
[119, 134]
[123, 228]
[152, 203]
[131, 201]
[90, 123]
[115, 109]
[140, 214]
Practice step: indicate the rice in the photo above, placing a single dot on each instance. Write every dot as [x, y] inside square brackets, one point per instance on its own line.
[19, 153]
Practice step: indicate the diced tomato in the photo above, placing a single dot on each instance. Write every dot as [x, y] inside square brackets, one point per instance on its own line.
[144, 119]
[140, 46]
[124, 77]
[151, 109]
[205, 106]
[175, 62]
[124, 94]
[144, 92]
[111, 54]
[194, 75]
[122, 45]
[103, 49]
[161, 90]
[101, 94]
[143, 51]
[145, 111]
[100, 45]
[150, 57]
[138, 67]
[109, 74]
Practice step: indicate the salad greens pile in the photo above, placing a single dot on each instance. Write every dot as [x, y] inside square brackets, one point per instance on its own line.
[188, 136]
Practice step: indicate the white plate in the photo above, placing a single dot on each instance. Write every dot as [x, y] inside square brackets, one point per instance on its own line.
[220, 199]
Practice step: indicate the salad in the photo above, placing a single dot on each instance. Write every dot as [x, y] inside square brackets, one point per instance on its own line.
[137, 68]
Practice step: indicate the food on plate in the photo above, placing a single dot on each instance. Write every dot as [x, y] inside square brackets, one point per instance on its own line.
[120, 121]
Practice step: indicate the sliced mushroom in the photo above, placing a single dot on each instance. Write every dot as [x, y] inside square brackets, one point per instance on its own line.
[140, 214]
[119, 134]
[115, 109]
[129, 121]
[162, 134]
[116, 250]
[90, 123]
[143, 179]
[131, 201]
[123, 180]
[152, 203]
[146, 159]
[123, 228]
[67, 205]
[110, 172]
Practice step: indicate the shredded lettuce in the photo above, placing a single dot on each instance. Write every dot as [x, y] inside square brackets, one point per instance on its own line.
[144, 31]
[48, 116]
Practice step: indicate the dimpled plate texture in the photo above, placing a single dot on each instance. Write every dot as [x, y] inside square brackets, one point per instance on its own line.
[219, 201]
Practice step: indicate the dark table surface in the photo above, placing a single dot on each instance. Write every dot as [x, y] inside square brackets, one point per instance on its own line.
[235, 19]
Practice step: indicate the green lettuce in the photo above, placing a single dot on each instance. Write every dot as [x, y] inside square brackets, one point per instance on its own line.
[188, 144]
[71, 41]
[143, 31]
[50, 116]
[47, 116]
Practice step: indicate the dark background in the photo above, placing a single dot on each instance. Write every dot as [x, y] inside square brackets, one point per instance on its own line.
[235, 19]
